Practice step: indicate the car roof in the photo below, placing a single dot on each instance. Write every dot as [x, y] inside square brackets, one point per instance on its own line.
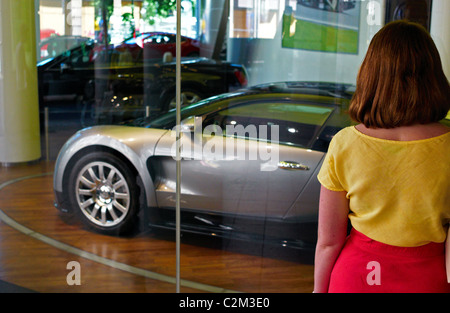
[336, 90]
[314, 93]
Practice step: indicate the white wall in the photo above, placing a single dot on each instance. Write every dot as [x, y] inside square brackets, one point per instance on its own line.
[440, 31]
[267, 61]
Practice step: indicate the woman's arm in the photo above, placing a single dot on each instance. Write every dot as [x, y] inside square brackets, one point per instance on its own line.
[332, 232]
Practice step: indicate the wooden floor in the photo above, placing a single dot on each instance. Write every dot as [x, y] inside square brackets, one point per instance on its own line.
[37, 243]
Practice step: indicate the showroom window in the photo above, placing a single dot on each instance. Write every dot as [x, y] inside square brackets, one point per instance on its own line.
[91, 184]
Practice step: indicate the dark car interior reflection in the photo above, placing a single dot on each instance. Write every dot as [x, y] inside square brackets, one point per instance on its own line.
[108, 86]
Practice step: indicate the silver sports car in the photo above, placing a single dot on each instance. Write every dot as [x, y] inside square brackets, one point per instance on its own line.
[249, 162]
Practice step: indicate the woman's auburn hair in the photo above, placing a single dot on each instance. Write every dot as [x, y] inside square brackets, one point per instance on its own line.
[401, 81]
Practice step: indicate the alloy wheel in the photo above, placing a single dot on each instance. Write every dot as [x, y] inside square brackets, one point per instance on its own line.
[102, 194]
[187, 98]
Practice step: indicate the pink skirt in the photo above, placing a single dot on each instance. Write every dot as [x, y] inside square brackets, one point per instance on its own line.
[365, 265]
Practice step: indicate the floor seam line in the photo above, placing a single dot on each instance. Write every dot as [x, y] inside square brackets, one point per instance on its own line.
[96, 258]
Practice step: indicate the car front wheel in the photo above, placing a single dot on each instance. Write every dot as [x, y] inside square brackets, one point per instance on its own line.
[104, 193]
[188, 97]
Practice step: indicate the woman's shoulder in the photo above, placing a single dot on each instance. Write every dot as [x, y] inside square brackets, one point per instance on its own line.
[405, 134]
[344, 134]
[343, 139]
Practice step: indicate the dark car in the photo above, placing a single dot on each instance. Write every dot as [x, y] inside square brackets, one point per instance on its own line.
[118, 88]
[154, 44]
[249, 163]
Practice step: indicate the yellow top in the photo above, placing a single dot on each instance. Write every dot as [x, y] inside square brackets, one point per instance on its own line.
[398, 191]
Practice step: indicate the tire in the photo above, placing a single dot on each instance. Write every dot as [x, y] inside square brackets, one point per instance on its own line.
[188, 97]
[104, 193]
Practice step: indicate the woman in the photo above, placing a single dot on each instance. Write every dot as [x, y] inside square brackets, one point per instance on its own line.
[390, 174]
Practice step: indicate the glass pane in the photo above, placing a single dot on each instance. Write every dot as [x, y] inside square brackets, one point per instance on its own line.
[97, 65]
[89, 86]
[250, 157]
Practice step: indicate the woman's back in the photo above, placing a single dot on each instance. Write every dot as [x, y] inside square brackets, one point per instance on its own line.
[397, 181]
[390, 178]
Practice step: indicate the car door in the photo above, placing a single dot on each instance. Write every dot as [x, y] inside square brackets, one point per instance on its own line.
[73, 75]
[156, 45]
[249, 160]
[62, 79]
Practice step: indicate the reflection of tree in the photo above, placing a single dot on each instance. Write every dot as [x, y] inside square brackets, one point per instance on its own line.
[104, 9]
[151, 9]
[128, 22]
[158, 8]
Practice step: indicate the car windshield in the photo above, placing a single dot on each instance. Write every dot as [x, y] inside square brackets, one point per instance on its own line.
[134, 39]
[168, 120]
[321, 92]
[57, 45]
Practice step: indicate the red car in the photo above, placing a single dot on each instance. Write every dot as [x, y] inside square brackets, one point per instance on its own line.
[154, 44]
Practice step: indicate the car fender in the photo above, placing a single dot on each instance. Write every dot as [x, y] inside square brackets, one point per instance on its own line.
[134, 143]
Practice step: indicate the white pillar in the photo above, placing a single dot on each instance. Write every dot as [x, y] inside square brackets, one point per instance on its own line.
[440, 31]
[19, 107]
[75, 18]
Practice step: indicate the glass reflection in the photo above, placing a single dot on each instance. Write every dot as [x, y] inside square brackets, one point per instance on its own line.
[248, 66]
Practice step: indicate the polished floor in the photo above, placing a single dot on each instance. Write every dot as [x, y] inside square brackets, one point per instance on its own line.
[37, 243]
